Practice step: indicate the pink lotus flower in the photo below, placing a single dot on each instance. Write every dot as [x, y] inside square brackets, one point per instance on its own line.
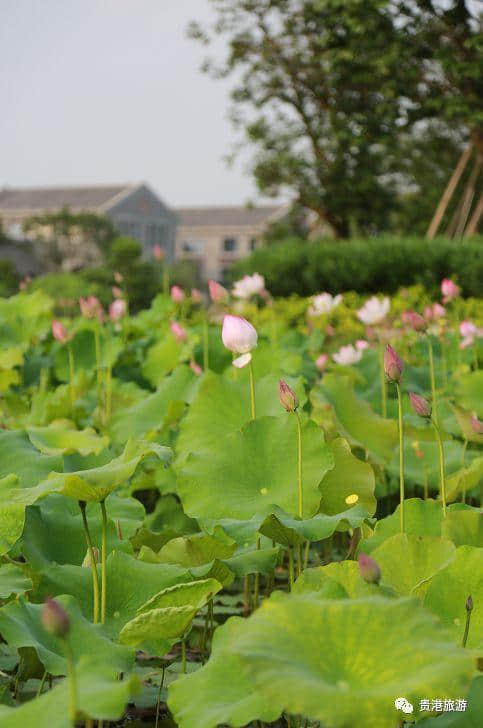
[321, 361]
[347, 355]
[117, 309]
[449, 289]
[196, 295]
[91, 307]
[420, 405]
[240, 337]
[196, 368]
[178, 331]
[374, 311]
[118, 277]
[434, 312]
[288, 398]
[469, 332]
[362, 344]
[218, 293]
[249, 286]
[177, 294]
[393, 365]
[158, 252]
[476, 425]
[324, 303]
[59, 332]
[117, 292]
[369, 569]
[414, 320]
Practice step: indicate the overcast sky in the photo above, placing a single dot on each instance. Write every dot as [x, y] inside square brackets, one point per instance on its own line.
[109, 91]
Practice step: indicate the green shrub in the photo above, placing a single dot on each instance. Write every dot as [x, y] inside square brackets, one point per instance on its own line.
[8, 277]
[366, 266]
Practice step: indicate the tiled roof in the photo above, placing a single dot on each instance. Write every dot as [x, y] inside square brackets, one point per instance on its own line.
[226, 216]
[54, 198]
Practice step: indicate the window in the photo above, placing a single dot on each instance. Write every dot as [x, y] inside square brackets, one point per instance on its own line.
[193, 246]
[252, 244]
[229, 245]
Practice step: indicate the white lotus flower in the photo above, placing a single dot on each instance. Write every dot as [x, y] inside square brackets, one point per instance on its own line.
[374, 311]
[324, 303]
[347, 355]
[249, 286]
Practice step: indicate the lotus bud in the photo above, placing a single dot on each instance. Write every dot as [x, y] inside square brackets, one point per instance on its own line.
[178, 331]
[238, 335]
[393, 365]
[321, 362]
[476, 425]
[55, 619]
[196, 368]
[415, 320]
[469, 604]
[449, 289]
[59, 332]
[87, 557]
[117, 309]
[288, 398]
[420, 405]
[218, 293]
[369, 569]
[177, 294]
[158, 252]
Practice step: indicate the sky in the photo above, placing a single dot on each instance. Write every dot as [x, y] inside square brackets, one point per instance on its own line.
[110, 92]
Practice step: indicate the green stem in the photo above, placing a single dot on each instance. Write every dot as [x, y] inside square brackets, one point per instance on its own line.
[104, 563]
[246, 595]
[98, 362]
[299, 465]
[433, 380]
[256, 589]
[72, 682]
[463, 493]
[252, 391]
[95, 576]
[42, 683]
[442, 477]
[382, 380]
[108, 382]
[290, 567]
[306, 554]
[183, 656]
[71, 378]
[401, 455]
[165, 280]
[159, 699]
[467, 628]
[206, 350]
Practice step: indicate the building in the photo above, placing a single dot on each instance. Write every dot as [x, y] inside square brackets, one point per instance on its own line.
[135, 210]
[215, 237]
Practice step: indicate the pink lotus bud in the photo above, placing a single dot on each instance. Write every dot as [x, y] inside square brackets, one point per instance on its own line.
[288, 398]
[218, 293]
[196, 295]
[177, 294]
[469, 604]
[321, 362]
[393, 365]
[55, 619]
[476, 425]
[118, 277]
[362, 344]
[196, 368]
[415, 320]
[91, 307]
[59, 332]
[178, 331]
[468, 329]
[420, 405]
[449, 289]
[369, 569]
[117, 292]
[158, 252]
[238, 335]
[439, 311]
[117, 309]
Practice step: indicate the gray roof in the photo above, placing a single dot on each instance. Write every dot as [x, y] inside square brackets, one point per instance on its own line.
[54, 198]
[226, 216]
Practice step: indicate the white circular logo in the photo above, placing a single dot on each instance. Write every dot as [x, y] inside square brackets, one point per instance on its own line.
[404, 705]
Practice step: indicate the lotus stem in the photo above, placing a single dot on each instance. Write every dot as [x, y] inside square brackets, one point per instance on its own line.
[42, 683]
[165, 280]
[463, 493]
[183, 656]
[256, 588]
[442, 477]
[306, 554]
[71, 378]
[71, 675]
[433, 380]
[206, 350]
[104, 562]
[252, 391]
[401, 455]
[95, 576]
[469, 609]
[290, 568]
[108, 382]
[299, 465]
[158, 702]
[382, 380]
[97, 340]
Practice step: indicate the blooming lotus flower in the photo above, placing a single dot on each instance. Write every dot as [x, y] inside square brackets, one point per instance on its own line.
[117, 309]
[59, 332]
[249, 286]
[434, 312]
[347, 355]
[91, 307]
[321, 361]
[196, 368]
[177, 294]
[158, 252]
[55, 619]
[324, 303]
[362, 344]
[195, 295]
[178, 331]
[218, 293]
[374, 311]
[469, 331]
[288, 398]
[369, 569]
[414, 320]
[393, 365]
[420, 405]
[449, 289]
[240, 337]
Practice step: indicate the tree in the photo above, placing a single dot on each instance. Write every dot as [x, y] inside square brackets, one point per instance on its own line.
[329, 92]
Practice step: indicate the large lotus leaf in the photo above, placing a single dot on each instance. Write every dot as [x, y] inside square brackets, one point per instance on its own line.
[214, 569]
[8, 379]
[157, 629]
[19, 456]
[100, 694]
[150, 412]
[12, 516]
[255, 470]
[463, 526]
[253, 561]
[197, 549]
[24, 316]
[465, 479]
[464, 419]
[469, 391]
[13, 580]
[54, 530]
[130, 583]
[222, 406]
[418, 469]
[61, 437]
[194, 594]
[93, 484]
[449, 589]
[83, 348]
[289, 531]
[408, 561]
[163, 357]
[337, 661]
[469, 718]
[338, 580]
[21, 626]
[10, 358]
[350, 481]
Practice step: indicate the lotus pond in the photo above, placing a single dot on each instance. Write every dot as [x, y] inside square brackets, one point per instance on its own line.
[242, 511]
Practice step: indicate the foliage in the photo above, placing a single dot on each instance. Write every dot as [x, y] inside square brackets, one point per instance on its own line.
[8, 277]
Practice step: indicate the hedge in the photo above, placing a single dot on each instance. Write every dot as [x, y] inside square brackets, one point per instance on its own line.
[366, 266]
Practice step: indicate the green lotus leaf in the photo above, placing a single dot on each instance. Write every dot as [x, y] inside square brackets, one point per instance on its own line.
[253, 561]
[8, 379]
[10, 358]
[100, 695]
[13, 580]
[449, 589]
[21, 626]
[469, 391]
[61, 437]
[24, 316]
[19, 456]
[469, 718]
[163, 357]
[463, 418]
[292, 532]
[340, 661]
[194, 594]
[465, 479]
[350, 481]
[12, 516]
[255, 470]
[408, 561]
[463, 525]
[338, 580]
[418, 470]
[197, 549]
[157, 629]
